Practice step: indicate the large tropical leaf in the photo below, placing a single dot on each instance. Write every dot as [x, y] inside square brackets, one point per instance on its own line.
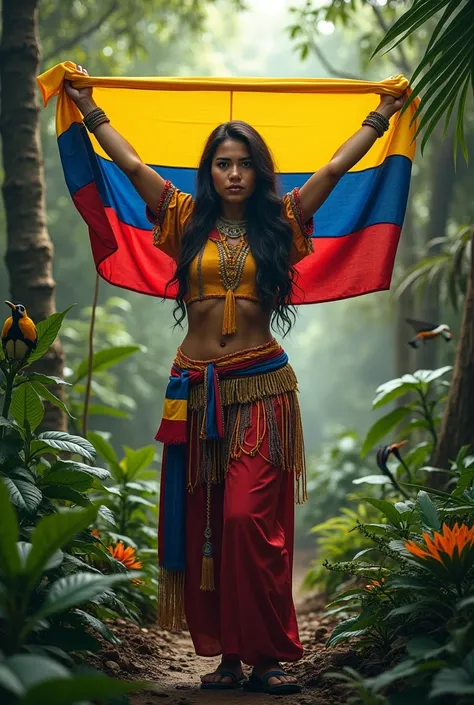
[77, 688]
[44, 393]
[446, 71]
[68, 443]
[74, 590]
[23, 494]
[47, 332]
[103, 359]
[54, 532]
[27, 406]
[74, 466]
[9, 557]
[382, 427]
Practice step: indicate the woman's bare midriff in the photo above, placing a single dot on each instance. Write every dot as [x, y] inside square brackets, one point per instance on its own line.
[204, 340]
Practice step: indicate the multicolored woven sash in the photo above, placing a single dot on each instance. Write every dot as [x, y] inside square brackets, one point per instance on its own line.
[173, 433]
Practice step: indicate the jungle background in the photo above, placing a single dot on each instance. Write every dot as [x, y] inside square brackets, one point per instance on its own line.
[342, 352]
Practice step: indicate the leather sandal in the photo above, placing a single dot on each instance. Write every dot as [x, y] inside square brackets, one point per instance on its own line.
[235, 683]
[260, 685]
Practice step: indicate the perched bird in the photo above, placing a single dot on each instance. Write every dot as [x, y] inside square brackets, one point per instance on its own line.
[19, 335]
[428, 331]
[383, 455]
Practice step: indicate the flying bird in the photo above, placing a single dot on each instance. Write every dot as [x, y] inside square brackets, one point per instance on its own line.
[19, 335]
[428, 331]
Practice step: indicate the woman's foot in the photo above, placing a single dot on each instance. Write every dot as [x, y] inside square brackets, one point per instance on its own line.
[219, 676]
[262, 669]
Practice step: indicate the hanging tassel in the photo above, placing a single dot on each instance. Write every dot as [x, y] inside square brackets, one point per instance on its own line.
[207, 570]
[229, 324]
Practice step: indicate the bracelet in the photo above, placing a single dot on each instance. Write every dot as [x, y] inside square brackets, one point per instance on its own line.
[378, 121]
[95, 118]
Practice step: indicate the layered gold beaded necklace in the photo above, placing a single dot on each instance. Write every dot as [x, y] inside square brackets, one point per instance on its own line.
[231, 265]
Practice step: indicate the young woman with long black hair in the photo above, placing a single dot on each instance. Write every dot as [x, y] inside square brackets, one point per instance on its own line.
[232, 391]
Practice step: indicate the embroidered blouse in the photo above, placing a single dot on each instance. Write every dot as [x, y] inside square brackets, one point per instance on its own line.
[205, 280]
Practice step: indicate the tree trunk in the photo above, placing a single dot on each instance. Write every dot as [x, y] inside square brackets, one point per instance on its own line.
[29, 249]
[457, 428]
[442, 186]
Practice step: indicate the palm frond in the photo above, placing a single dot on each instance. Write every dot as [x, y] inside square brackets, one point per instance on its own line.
[446, 70]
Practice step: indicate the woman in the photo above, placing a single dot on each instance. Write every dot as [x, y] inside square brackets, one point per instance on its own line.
[232, 389]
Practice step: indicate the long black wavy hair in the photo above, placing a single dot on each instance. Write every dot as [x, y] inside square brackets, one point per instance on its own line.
[268, 233]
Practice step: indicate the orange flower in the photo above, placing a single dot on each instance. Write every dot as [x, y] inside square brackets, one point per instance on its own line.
[374, 584]
[125, 556]
[452, 549]
[95, 532]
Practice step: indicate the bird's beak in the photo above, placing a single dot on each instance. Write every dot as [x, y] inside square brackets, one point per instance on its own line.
[9, 303]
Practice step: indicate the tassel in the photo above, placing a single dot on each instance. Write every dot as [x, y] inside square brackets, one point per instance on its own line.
[207, 570]
[229, 324]
[207, 574]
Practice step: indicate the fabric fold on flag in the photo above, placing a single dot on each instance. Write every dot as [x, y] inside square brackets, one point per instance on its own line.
[303, 121]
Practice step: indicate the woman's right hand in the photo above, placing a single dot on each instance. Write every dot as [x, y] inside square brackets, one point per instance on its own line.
[78, 94]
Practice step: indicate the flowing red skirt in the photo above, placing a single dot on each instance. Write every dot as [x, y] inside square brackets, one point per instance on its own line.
[251, 614]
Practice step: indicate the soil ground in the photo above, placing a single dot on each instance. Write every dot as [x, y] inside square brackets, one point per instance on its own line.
[169, 661]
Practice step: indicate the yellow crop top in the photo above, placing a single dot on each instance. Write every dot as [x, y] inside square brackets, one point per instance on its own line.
[205, 272]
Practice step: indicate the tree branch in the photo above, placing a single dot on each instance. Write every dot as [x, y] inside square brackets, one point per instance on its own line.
[403, 62]
[327, 65]
[73, 41]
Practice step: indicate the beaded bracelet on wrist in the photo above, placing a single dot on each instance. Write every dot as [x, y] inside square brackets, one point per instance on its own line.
[378, 121]
[95, 118]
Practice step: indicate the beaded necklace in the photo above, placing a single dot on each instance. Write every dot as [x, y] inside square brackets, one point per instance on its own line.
[231, 266]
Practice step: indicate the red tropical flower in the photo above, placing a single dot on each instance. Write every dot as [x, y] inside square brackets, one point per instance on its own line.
[451, 551]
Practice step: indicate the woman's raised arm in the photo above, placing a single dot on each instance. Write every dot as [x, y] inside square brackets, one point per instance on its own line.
[147, 182]
[321, 183]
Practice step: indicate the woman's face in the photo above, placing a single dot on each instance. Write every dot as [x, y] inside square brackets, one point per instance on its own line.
[232, 172]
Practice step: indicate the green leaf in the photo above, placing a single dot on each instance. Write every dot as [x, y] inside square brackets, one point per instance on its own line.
[73, 590]
[67, 493]
[46, 379]
[54, 532]
[452, 681]
[137, 460]
[79, 481]
[47, 332]
[107, 515]
[428, 511]
[371, 480]
[68, 443]
[44, 393]
[387, 509]
[382, 427]
[99, 473]
[80, 687]
[9, 557]
[103, 359]
[93, 623]
[103, 447]
[436, 374]
[390, 391]
[27, 406]
[23, 494]
[31, 670]
[10, 681]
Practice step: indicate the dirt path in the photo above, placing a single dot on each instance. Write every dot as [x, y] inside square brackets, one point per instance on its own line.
[169, 661]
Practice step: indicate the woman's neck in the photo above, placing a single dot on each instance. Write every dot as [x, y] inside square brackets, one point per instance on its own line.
[233, 211]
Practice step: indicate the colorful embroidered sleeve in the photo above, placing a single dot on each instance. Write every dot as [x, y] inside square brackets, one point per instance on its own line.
[302, 232]
[172, 212]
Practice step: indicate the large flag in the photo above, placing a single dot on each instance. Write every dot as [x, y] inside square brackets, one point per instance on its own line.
[304, 121]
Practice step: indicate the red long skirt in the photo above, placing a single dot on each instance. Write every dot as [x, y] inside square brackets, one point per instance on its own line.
[251, 614]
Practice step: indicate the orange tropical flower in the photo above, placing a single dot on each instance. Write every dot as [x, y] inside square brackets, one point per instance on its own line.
[125, 556]
[95, 532]
[452, 550]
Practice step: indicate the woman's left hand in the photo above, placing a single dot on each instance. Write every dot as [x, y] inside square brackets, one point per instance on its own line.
[389, 104]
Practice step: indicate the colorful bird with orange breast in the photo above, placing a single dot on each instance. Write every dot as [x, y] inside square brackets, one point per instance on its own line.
[427, 331]
[19, 335]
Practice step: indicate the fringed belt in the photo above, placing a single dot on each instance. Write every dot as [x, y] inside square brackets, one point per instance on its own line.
[209, 385]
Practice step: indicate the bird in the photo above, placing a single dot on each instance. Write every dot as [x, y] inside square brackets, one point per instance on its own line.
[428, 331]
[19, 334]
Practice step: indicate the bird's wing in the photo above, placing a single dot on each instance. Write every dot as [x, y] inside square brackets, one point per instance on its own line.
[421, 326]
[6, 327]
[28, 329]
